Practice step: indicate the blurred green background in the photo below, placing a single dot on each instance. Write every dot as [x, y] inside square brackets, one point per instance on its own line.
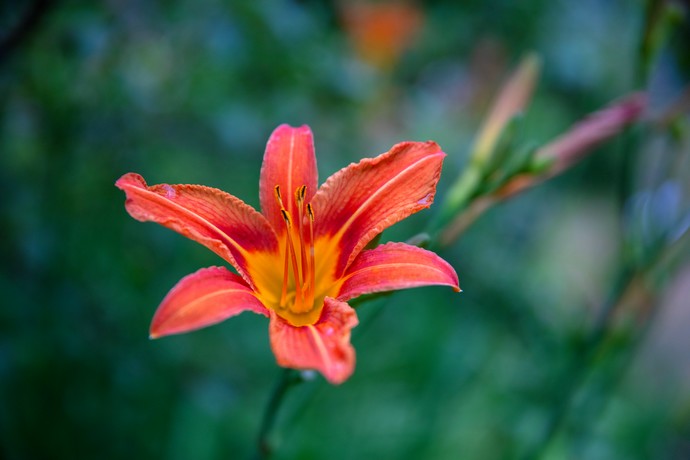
[188, 92]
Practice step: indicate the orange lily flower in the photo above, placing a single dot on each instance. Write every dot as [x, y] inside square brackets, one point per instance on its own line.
[302, 257]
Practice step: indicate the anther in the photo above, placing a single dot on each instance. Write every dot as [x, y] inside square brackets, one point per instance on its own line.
[286, 218]
[300, 193]
[279, 199]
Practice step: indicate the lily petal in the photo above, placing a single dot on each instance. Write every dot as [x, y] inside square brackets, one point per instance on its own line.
[395, 266]
[360, 201]
[324, 346]
[207, 297]
[289, 162]
[218, 220]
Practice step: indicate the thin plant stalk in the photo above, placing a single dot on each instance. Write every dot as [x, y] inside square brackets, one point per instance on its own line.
[288, 379]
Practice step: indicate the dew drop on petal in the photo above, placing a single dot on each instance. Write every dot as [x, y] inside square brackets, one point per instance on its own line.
[426, 201]
[169, 192]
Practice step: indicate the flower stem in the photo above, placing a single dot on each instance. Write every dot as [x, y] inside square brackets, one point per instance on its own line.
[288, 379]
[579, 370]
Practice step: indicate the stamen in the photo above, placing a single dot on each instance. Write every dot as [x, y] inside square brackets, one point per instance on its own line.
[305, 278]
[286, 267]
[295, 268]
[299, 199]
[312, 271]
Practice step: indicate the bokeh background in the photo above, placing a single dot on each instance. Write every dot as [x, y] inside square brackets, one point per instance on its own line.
[188, 92]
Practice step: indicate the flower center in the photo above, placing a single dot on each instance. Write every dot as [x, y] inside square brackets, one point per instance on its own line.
[299, 264]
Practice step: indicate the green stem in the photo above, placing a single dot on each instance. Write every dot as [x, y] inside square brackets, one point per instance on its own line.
[582, 365]
[288, 379]
[580, 368]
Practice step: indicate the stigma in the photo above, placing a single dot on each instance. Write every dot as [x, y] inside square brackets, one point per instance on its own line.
[297, 295]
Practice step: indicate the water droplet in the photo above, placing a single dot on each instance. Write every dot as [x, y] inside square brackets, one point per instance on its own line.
[169, 192]
[426, 201]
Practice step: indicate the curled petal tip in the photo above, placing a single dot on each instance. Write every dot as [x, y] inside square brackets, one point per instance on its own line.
[128, 179]
[287, 126]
